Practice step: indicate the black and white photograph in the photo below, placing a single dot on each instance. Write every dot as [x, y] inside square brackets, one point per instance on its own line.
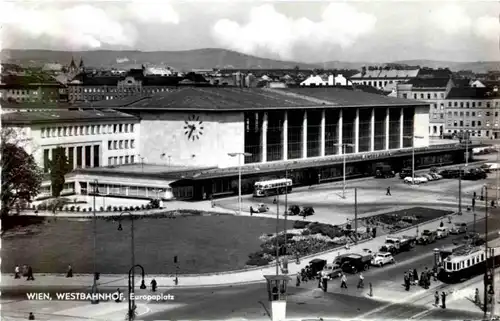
[250, 160]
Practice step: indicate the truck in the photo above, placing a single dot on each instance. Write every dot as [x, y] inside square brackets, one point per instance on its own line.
[384, 171]
[398, 244]
[353, 263]
[427, 237]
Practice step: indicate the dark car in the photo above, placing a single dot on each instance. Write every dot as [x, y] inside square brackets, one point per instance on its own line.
[469, 238]
[317, 265]
[405, 172]
[486, 168]
[355, 262]
[450, 173]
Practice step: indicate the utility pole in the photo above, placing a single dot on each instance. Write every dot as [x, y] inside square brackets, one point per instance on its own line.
[277, 233]
[460, 191]
[486, 251]
[356, 215]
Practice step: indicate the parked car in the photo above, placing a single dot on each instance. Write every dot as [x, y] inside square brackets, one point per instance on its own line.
[405, 172]
[469, 238]
[436, 176]
[262, 208]
[354, 263]
[381, 259]
[450, 173]
[442, 232]
[307, 211]
[384, 171]
[332, 270]
[486, 168]
[418, 180]
[458, 228]
[428, 176]
[294, 210]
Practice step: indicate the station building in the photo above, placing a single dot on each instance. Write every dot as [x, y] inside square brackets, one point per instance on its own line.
[185, 138]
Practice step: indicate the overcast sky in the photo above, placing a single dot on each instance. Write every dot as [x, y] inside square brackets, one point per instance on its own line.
[374, 31]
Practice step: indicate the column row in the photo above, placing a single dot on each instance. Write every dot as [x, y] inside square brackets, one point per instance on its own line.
[77, 156]
[318, 133]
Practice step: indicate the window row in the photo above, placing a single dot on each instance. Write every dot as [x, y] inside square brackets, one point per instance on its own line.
[113, 89]
[472, 123]
[426, 96]
[450, 266]
[121, 144]
[120, 160]
[47, 132]
[473, 114]
[469, 104]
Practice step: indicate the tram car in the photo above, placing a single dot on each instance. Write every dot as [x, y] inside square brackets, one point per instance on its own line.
[463, 262]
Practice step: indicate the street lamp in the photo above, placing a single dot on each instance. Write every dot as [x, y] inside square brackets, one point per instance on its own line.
[94, 217]
[142, 162]
[343, 164]
[286, 201]
[412, 137]
[132, 245]
[486, 251]
[163, 155]
[131, 290]
[239, 154]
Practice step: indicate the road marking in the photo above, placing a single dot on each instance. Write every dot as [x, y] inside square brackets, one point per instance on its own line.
[146, 312]
[409, 298]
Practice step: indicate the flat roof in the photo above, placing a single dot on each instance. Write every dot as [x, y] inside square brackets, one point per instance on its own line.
[60, 116]
[241, 99]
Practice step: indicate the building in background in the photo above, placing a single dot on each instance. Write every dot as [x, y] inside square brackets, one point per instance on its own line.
[35, 88]
[383, 79]
[326, 80]
[432, 90]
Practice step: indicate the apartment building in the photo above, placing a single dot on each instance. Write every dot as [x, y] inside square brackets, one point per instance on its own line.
[434, 91]
[384, 79]
[32, 89]
[473, 109]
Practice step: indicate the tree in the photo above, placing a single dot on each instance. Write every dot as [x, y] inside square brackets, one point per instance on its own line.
[21, 176]
[59, 167]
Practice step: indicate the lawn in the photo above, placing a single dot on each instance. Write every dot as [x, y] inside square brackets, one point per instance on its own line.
[202, 244]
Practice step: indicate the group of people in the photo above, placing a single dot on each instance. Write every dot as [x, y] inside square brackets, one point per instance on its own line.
[424, 280]
[27, 271]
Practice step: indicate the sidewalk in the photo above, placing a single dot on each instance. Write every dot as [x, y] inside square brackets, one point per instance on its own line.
[254, 275]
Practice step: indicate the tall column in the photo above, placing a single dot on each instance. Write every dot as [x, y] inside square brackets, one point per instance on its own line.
[340, 125]
[322, 133]
[285, 136]
[91, 155]
[356, 132]
[401, 124]
[75, 155]
[304, 135]
[83, 156]
[264, 139]
[387, 129]
[372, 131]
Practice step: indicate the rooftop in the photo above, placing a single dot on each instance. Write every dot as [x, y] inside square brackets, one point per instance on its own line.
[225, 99]
[60, 116]
[429, 82]
[472, 93]
[391, 73]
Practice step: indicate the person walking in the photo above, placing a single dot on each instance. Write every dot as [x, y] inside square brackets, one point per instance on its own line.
[436, 298]
[31, 316]
[297, 282]
[388, 191]
[415, 276]
[17, 272]
[343, 282]
[153, 285]
[407, 282]
[443, 300]
[361, 281]
[69, 274]
[118, 296]
[30, 274]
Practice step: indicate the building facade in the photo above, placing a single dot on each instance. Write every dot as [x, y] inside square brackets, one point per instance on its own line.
[31, 89]
[383, 79]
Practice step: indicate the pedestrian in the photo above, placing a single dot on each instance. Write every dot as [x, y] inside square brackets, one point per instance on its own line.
[473, 203]
[415, 276]
[251, 211]
[297, 257]
[436, 298]
[441, 224]
[30, 274]
[361, 281]
[374, 232]
[274, 201]
[118, 296]
[303, 275]
[153, 285]
[493, 204]
[297, 283]
[476, 297]
[407, 282]
[475, 195]
[69, 274]
[410, 276]
[324, 280]
[17, 271]
[343, 283]
[388, 191]
[443, 300]
[31, 316]
[275, 293]
[434, 273]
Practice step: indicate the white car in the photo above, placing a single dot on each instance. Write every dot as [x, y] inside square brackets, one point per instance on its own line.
[418, 180]
[442, 232]
[381, 259]
[428, 176]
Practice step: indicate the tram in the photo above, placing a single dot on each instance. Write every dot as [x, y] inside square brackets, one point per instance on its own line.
[467, 261]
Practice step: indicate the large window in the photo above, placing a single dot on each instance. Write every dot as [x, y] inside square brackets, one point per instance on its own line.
[253, 137]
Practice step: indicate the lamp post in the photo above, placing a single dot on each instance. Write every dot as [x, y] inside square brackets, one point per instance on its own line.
[486, 251]
[286, 202]
[239, 154]
[344, 165]
[131, 290]
[277, 232]
[412, 137]
[132, 243]
[94, 217]
[142, 161]
[164, 155]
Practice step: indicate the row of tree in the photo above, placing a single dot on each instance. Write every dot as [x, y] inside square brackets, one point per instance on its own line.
[22, 177]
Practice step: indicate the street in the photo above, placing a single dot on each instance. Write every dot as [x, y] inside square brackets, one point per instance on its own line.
[250, 301]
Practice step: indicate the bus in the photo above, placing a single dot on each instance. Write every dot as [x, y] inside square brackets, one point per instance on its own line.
[273, 186]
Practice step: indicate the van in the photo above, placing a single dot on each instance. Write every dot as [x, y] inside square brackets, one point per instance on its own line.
[384, 171]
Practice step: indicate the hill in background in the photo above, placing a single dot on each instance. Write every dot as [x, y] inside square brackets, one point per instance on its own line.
[209, 58]
[180, 60]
